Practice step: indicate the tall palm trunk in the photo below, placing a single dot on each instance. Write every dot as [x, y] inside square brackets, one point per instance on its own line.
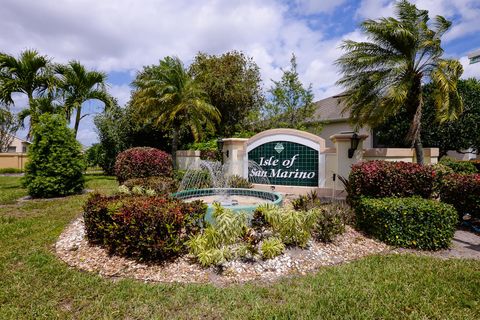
[78, 117]
[33, 115]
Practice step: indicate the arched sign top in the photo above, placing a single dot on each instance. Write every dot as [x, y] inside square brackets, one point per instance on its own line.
[292, 135]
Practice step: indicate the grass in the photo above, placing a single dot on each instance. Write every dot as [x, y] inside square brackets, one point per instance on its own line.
[34, 284]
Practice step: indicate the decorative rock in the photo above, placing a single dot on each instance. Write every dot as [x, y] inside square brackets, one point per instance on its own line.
[73, 248]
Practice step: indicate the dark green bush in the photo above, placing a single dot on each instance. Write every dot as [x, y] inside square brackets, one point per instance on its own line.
[161, 185]
[463, 192]
[408, 222]
[464, 167]
[55, 162]
[236, 181]
[146, 228]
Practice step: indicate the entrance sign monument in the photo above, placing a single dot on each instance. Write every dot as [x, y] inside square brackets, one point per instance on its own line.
[286, 157]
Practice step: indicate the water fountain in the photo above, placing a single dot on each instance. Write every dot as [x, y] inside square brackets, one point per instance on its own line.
[210, 183]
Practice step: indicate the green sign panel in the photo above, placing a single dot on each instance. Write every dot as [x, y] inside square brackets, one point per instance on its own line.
[285, 163]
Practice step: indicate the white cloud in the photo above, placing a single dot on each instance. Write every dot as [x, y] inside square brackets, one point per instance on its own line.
[121, 92]
[124, 35]
[464, 13]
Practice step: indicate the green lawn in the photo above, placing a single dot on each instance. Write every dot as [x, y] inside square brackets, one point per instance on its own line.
[34, 284]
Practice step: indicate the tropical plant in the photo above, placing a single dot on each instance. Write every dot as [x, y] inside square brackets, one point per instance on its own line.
[272, 247]
[29, 74]
[166, 95]
[41, 105]
[386, 74]
[79, 85]
[216, 244]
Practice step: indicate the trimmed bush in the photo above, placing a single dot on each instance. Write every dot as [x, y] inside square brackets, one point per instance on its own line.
[55, 162]
[143, 162]
[10, 170]
[463, 192]
[465, 167]
[146, 228]
[161, 185]
[408, 222]
[379, 179]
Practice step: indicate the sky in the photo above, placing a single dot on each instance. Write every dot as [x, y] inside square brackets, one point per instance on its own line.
[119, 37]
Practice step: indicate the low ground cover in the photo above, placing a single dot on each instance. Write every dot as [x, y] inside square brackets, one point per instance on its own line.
[34, 284]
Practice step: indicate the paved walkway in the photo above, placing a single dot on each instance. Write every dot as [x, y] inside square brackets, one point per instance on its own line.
[465, 245]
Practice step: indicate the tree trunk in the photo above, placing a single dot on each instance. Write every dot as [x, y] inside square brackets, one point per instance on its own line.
[174, 147]
[418, 151]
[77, 119]
[33, 115]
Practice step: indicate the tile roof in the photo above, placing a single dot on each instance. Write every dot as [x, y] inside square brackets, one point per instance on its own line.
[330, 109]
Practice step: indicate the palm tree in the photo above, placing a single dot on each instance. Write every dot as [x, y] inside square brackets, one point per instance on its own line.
[29, 74]
[169, 96]
[41, 105]
[387, 73]
[79, 85]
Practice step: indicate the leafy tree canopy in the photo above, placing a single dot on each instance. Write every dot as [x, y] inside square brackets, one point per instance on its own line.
[233, 84]
[291, 104]
[460, 134]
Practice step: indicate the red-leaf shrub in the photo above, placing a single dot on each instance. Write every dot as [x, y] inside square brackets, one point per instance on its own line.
[146, 228]
[143, 162]
[463, 192]
[380, 179]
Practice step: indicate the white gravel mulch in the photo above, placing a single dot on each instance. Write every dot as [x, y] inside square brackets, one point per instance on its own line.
[73, 248]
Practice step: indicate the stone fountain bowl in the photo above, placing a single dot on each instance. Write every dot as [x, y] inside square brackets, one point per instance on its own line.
[235, 199]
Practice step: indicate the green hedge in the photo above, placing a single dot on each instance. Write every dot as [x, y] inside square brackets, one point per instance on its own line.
[10, 170]
[464, 167]
[408, 222]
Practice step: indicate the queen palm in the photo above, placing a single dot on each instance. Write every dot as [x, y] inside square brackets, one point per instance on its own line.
[79, 85]
[387, 73]
[166, 94]
[28, 74]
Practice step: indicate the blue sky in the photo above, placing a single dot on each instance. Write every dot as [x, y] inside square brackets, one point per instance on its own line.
[121, 36]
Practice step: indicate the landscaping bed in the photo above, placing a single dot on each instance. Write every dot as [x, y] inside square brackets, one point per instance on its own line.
[73, 248]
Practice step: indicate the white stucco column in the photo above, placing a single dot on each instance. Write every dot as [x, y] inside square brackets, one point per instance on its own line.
[343, 142]
[233, 153]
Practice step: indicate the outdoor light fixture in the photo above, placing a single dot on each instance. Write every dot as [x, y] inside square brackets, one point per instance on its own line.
[354, 140]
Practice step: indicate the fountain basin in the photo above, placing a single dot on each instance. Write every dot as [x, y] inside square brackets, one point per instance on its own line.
[235, 199]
